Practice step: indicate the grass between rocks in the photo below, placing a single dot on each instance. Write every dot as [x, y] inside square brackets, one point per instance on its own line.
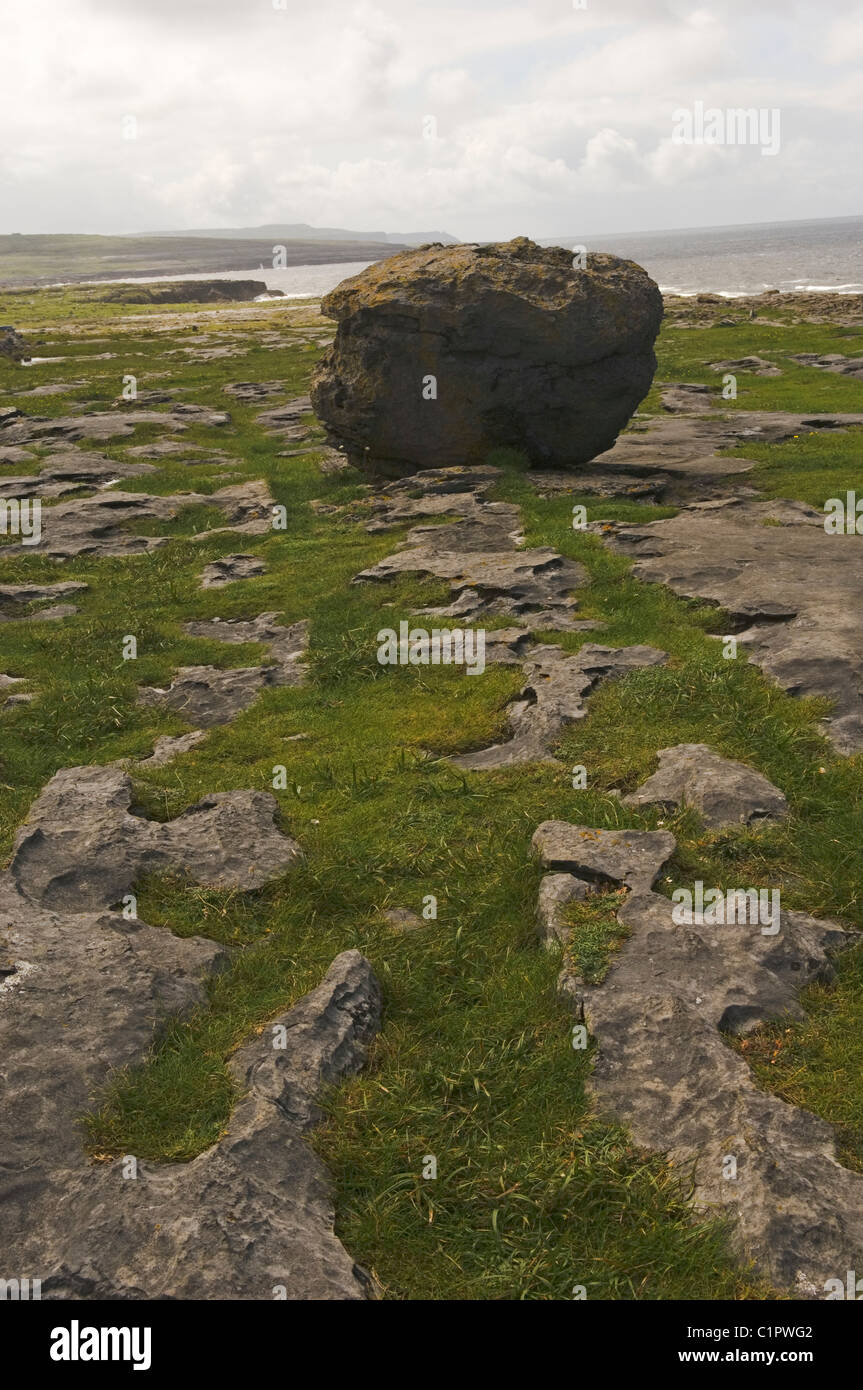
[474, 1065]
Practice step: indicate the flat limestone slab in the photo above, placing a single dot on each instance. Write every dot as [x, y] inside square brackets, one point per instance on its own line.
[664, 1070]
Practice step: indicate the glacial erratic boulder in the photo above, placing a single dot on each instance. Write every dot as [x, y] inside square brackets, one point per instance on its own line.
[447, 352]
[12, 345]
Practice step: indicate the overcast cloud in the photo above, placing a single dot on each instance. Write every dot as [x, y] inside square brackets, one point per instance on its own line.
[549, 119]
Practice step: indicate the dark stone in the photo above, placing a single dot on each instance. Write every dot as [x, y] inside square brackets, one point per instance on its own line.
[526, 352]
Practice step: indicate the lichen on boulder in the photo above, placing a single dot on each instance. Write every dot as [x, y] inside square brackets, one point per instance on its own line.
[445, 353]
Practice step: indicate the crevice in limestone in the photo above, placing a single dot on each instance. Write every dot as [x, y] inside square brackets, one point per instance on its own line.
[208, 695]
[101, 1232]
[663, 1069]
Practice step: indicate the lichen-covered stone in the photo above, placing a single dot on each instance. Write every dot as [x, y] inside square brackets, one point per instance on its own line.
[525, 351]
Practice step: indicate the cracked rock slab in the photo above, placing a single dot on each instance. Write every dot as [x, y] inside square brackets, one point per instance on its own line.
[723, 792]
[558, 684]
[632, 857]
[90, 986]
[107, 424]
[758, 366]
[797, 591]
[253, 1212]
[208, 696]
[523, 584]
[69, 470]
[254, 391]
[95, 525]
[687, 447]
[229, 569]
[831, 362]
[15, 599]
[664, 1070]
[261, 1199]
[477, 551]
[685, 396]
[81, 848]
[288, 645]
[285, 422]
[167, 747]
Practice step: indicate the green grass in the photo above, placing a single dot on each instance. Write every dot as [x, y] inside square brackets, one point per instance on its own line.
[474, 1064]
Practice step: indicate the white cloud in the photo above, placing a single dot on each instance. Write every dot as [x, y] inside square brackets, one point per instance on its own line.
[250, 114]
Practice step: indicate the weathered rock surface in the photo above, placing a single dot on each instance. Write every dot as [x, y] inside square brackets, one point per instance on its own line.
[50, 388]
[476, 552]
[71, 470]
[795, 591]
[686, 396]
[556, 892]
[16, 600]
[687, 448]
[664, 1070]
[81, 848]
[285, 421]
[250, 392]
[525, 351]
[169, 448]
[89, 984]
[170, 746]
[262, 1208]
[208, 696]
[831, 362]
[95, 525]
[723, 792]
[260, 1200]
[12, 345]
[403, 919]
[532, 585]
[558, 684]
[758, 366]
[794, 306]
[18, 428]
[14, 454]
[632, 857]
[229, 569]
[187, 292]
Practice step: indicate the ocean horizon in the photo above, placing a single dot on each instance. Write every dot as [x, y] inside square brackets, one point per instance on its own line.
[824, 255]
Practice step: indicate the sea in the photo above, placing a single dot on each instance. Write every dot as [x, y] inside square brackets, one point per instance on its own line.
[821, 254]
[824, 254]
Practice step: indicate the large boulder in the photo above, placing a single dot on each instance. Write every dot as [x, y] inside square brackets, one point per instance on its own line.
[12, 345]
[524, 349]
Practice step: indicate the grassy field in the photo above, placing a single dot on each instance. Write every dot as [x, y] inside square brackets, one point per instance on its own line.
[474, 1064]
[47, 259]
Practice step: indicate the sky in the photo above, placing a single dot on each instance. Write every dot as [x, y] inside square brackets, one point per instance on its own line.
[485, 119]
